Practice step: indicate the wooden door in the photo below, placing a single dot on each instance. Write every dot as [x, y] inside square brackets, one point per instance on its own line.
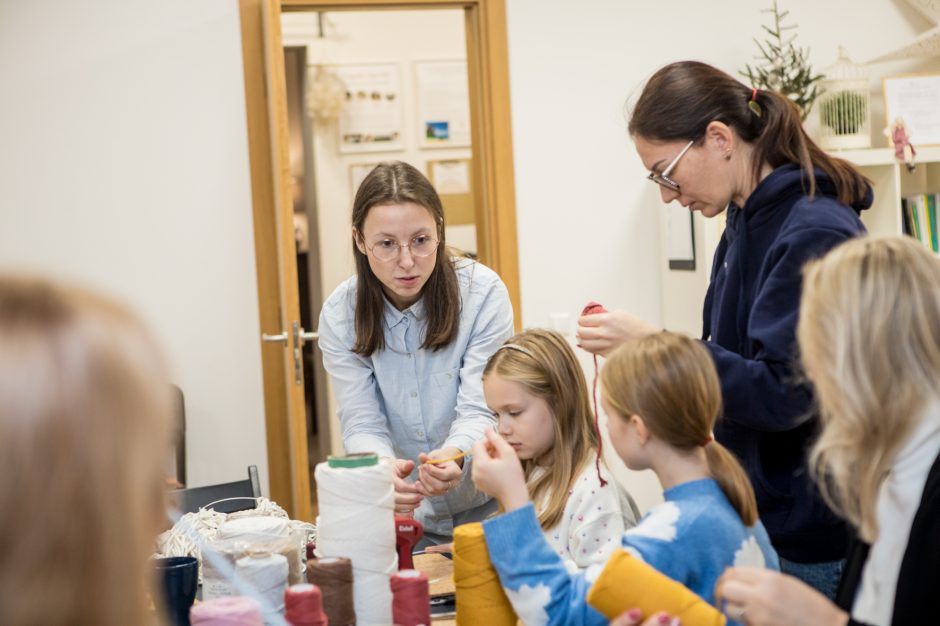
[276, 261]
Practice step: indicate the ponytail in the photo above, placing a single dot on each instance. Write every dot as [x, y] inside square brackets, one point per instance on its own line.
[730, 476]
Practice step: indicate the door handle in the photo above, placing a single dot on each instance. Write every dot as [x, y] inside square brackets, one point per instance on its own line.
[279, 338]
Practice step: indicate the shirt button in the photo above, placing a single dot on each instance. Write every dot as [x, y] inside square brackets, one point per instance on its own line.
[419, 432]
[410, 355]
[450, 377]
[414, 394]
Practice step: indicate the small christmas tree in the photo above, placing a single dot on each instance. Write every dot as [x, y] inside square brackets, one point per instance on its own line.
[784, 68]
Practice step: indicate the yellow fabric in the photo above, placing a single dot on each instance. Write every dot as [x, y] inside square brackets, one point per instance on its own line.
[627, 582]
[480, 596]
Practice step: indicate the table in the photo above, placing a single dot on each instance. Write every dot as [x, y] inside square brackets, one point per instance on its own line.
[440, 572]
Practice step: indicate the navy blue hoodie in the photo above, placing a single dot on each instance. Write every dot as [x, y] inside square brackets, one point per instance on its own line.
[750, 319]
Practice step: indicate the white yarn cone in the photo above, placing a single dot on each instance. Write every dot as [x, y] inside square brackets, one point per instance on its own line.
[357, 521]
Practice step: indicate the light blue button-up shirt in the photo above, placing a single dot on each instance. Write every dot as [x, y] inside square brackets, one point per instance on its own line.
[404, 400]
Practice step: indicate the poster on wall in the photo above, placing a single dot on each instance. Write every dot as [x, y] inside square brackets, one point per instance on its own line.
[443, 103]
[371, 121]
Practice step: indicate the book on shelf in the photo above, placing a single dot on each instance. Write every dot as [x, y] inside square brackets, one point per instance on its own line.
[919, 217]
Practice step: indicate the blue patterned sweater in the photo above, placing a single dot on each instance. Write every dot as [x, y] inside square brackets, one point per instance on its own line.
[691, 537]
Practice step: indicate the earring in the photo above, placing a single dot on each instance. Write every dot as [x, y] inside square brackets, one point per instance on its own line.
[728, 155]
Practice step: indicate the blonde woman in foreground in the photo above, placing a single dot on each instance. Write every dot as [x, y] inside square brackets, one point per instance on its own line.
[869, 335]
[84, 408]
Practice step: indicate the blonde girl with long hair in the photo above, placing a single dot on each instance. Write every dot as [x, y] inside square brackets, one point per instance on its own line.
[536, 389]
[869, 338]
[84, 407]
[662, 397]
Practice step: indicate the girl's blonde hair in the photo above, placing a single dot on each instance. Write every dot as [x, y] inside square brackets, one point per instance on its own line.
[542, 361]
[84, 409]
[869, 337]
[670, 381]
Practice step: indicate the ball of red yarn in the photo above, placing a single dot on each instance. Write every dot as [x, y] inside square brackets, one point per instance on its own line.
[593, 307]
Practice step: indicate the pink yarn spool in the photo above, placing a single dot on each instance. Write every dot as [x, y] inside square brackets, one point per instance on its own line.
[411, 602]
[229, 611]
[304, 606]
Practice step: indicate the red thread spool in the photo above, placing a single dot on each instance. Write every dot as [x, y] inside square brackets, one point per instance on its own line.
[411, 600]
[303, 606]
[590, 309]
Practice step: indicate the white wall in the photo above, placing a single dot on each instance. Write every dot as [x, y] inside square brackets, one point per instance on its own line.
[124, 166]
[588, 222]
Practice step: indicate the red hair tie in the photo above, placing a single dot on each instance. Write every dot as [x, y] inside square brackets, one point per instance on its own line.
[754, 94]
[590, 309]
[707, 441]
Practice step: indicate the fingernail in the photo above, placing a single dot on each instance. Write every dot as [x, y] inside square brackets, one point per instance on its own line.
[675, 622]
[663, 619]
[635, 614]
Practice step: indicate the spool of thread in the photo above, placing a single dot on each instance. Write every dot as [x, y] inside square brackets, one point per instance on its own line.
[648, 590]
[480, 596]
[411, 599]
[228, 611]
[304, 606]
[357, 521]
[334, 577]
[266, 575]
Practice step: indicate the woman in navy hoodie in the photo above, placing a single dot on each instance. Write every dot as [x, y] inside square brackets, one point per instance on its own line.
[716, 145]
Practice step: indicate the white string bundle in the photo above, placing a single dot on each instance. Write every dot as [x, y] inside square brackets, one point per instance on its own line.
[266, 575]
[357, 521]
[180, 541]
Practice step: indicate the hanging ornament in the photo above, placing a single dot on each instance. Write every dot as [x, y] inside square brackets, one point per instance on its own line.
[326, 94]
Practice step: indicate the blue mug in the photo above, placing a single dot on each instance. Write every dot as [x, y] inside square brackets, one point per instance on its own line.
[178, 577]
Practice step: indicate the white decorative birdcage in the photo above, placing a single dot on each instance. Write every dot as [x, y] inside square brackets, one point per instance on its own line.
[844, 106]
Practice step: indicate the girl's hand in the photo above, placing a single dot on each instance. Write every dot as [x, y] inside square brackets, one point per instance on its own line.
[762, 597]
[435, 479]
[498, 472]
[602, 333]
[407, 497]
[633, 617]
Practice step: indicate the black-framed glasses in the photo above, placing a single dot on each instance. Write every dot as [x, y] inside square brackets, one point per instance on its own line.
[663, 177]
[388, 249]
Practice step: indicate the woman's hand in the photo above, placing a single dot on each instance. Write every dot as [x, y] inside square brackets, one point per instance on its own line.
[602, 333]
[633, 617]
[407, 497]
[762, 597]
[435, 479]
[498, 472]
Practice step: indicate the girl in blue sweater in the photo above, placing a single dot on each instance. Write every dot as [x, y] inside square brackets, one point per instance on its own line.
[662, 396]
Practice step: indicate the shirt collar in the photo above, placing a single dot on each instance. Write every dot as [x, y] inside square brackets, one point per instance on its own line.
[394, 317]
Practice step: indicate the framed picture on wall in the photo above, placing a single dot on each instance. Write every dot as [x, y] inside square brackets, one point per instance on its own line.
[357, 173]
[443, 99]
[913, 98]
[371, 120]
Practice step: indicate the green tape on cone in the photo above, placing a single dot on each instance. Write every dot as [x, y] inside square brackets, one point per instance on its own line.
[359, 459]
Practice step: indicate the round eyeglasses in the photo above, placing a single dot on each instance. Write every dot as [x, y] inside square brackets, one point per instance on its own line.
[389, 249]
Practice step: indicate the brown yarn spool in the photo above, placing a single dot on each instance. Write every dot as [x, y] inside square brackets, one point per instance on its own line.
[334, 577]
[480, 596]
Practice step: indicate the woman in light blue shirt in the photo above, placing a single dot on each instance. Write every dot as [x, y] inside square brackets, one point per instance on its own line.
[405, 341]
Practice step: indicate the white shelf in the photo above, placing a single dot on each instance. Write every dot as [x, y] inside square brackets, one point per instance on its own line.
[885, 156]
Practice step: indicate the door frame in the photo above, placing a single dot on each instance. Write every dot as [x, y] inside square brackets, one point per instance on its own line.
[266, 110]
